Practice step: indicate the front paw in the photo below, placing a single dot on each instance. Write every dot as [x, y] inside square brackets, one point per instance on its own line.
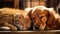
[4, 28]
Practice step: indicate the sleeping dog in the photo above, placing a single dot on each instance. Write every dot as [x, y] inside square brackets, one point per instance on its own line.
[39, 15]
[44, 18]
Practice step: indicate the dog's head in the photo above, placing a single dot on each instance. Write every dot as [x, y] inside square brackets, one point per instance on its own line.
[39, 15]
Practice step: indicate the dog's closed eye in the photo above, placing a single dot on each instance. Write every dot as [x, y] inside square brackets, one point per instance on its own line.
[41, 16]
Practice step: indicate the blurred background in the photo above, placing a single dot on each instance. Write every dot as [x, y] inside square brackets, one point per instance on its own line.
[21, 4]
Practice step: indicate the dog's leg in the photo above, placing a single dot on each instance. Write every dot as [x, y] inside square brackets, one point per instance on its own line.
[11, 26]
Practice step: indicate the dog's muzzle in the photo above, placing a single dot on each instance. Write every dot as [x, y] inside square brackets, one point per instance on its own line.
[36, 27]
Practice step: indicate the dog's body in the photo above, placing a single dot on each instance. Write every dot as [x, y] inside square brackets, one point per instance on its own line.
[14, 18]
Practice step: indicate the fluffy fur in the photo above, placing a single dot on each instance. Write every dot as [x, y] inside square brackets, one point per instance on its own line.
[39, 15]
[16, 19]
[45, 18]
[53, 22]
[38, 18]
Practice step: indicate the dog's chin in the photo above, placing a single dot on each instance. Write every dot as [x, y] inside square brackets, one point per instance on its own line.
[42, 27]
[43, 24]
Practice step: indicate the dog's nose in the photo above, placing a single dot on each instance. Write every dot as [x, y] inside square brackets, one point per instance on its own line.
[37, 27]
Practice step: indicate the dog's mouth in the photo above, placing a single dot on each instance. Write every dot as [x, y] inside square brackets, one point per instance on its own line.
[39, 27]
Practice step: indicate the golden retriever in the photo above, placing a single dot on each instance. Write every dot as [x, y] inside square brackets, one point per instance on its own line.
[39, 17]
[44, 18]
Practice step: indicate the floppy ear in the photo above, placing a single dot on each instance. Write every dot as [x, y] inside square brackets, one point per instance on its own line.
[30, 13]
[50, 18]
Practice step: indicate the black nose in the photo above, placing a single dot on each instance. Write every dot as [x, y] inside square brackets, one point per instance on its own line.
[37, 27]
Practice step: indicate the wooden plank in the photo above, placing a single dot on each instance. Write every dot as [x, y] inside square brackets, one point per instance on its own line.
[16, 4]
[6, 0]
[28, 3]
[42, 3]
[31, 32]
[35, 3]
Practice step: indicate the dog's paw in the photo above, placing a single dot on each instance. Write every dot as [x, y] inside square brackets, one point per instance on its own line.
[4, 28]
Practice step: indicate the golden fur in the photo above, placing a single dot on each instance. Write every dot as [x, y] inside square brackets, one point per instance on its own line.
[14, 18]
[44, 18]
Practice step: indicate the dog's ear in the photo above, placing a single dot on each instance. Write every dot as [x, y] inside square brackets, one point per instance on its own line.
[50, 18]
[30, 13]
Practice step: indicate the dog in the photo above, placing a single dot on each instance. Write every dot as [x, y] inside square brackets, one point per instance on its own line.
[44, 18]
[39, 17]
